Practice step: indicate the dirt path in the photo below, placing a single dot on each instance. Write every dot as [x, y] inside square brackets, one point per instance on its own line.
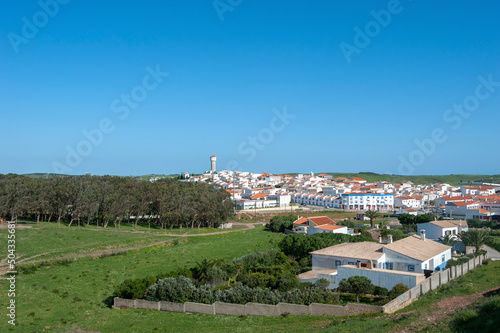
[441, 310]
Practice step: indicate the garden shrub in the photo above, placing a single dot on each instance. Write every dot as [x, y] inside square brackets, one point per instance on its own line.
[397, 290]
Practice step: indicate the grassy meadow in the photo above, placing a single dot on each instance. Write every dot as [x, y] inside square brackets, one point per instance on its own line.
[65, 298]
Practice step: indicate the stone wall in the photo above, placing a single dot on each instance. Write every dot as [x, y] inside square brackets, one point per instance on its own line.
[255, 309]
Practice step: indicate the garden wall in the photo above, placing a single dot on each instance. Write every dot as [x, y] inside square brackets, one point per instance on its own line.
[255, 309]
[250, 309]
[435, 281]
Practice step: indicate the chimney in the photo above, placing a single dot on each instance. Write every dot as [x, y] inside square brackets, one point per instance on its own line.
[380, 239]
[422, 234]
[389, 239]
[460, 226]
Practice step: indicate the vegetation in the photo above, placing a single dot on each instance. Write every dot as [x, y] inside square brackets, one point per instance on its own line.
[407, 219]
[397, 290]
[261, 277]
[300, 246]
[419, 179]
[482, 318]
[358, 285]
[280, 223]
[395, 233]
[182, 289]
[475, 237]
[477, 223]
[82, 302]
[449, 240]
[463, 259]
[372, 215]
[103, 200]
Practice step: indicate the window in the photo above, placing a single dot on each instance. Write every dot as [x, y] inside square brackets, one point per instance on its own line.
[411, 268]
[442, 258]
[337, 263]
[388, 265]
[425, 267]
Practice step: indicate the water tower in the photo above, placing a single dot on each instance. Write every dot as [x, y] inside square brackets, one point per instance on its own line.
[213, 159]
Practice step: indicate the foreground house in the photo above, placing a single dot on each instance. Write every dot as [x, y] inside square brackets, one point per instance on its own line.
[404, 261]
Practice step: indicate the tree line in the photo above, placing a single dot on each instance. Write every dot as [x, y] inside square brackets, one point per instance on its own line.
[102, 200]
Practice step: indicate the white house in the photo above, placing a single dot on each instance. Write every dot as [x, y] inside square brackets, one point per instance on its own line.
[328, 228]
[386, 265]
[436, 229]
[366, 201]
[406, 211]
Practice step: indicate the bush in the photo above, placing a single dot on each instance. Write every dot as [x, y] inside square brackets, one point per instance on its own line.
[132, 289]
[322, 284]
[280, 223]
[358, 285]
[484, 318]
[182, 289]
[397, 290]
[177, 290]
[396, 234]
[216, 276]
[380, 291]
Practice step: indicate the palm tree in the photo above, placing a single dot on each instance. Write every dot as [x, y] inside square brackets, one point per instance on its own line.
[372, 215]
[448, 240]
[475, 237]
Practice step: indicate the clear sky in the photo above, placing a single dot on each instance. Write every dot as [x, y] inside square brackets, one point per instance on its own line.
[139, 87]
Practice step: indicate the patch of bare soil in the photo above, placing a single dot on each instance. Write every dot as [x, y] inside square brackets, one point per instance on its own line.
[443, 310]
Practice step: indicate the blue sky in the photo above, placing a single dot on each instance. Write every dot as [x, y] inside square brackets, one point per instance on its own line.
[228, 79]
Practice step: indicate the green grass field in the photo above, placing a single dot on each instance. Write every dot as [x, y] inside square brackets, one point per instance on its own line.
[418, 179]
[77, 296]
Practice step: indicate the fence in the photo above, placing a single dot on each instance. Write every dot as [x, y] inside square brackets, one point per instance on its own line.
[315, 309]
[249, 309]
[435, 281]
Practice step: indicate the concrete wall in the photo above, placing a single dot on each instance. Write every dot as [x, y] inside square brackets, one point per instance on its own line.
[383, 278]
[294, 309]
[433, 282]
[254, 309]
[147, 305]
[250, 309]
[199, 308]
[172, 307]
[318, 309]
[357, 309]
[228, 309]
[261, 310]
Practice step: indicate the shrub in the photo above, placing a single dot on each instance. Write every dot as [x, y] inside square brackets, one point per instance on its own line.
[177, 290]
[216, 276]
[358, 285]
[397, 290]
[380, 291]
[132, 289]
[322, 284]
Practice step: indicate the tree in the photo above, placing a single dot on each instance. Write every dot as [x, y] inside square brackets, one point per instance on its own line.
[396, 234]
[358, 285]
[406, 219]
[397, 290]
[423, 218]
[372, 215]
[448, 240]
[475, 237]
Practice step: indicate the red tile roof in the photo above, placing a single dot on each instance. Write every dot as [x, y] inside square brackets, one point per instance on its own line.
[330, 227]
